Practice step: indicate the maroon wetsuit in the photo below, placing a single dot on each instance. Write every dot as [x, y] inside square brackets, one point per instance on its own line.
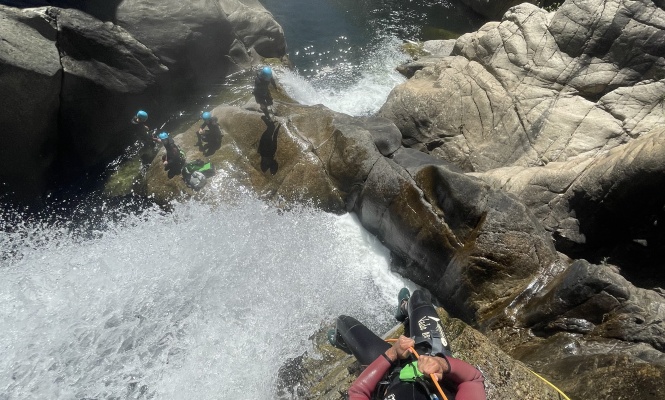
[468, 379]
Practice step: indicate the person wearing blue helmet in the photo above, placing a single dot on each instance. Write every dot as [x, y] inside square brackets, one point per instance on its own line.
[146, 136]
[261, 91]
[174, 157]
[210, 132]
[141, 119]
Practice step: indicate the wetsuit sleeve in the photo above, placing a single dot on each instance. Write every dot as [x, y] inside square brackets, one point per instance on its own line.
[366, 383]
[469, 380]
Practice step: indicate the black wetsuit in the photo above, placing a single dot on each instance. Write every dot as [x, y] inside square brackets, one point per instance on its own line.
[214, 133]
[262, 90]
[173, 156]
[423, 324]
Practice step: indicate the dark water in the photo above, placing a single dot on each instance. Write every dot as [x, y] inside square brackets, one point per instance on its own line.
[325, 33]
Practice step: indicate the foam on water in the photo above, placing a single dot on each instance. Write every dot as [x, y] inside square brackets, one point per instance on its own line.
[354, 89]
[202, 302]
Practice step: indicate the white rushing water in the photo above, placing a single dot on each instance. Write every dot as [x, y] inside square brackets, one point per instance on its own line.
[199, 303]
[354, 89]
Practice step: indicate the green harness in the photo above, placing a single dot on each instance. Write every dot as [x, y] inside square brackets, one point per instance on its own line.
[407, 373]
[410, 372]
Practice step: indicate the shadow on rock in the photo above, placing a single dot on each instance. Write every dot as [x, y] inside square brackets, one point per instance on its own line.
[210, 147]
[268, 146]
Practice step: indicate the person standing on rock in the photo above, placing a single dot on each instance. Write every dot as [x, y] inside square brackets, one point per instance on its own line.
[261, 91]
[141, 119]
[146, 136]
[174, 157]
[212, 136]
[392, 373]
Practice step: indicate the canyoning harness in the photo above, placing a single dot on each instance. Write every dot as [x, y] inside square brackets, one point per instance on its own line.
[408, 373]
[411, 374]
[173, 152]
[435, 341]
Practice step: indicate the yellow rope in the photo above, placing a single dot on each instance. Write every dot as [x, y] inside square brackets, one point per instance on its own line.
[444, 396]
[548, 382]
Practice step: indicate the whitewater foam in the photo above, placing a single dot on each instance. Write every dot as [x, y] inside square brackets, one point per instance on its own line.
[346, 87]
[193, 303]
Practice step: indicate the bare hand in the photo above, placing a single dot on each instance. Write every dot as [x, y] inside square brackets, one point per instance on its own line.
[403, 346]
[432, 365]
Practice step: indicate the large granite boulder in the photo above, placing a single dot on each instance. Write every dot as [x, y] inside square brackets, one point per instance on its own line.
[191, 38]
[255, 27]
[107, 74]
[202, 41]
[561, 110]
[539, 88]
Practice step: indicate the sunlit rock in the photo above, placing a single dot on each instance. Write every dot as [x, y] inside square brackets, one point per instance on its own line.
[550, 93]
[328, 372]
[474, 247]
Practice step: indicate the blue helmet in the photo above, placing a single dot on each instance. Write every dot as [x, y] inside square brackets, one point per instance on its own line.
[266, 73]
[141, 116]
[163, 135]
[206, 115]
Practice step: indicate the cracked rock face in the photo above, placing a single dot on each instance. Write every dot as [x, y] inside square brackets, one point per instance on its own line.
[548, 105]
[564, 111]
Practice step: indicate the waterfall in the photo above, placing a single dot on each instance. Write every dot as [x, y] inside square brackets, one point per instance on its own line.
[200, 302]
[354, 88]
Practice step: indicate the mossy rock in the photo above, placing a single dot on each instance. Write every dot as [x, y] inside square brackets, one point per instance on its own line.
[434, 33]
[414, 50]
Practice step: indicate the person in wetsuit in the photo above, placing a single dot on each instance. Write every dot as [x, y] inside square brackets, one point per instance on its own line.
[173, 158]
[146, 137]
[383, 377]
[261, 91]
[140, 119]
[212, 136]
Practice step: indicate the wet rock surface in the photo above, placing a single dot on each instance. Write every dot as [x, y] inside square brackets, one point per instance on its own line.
[72, 79]
[481, 252]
